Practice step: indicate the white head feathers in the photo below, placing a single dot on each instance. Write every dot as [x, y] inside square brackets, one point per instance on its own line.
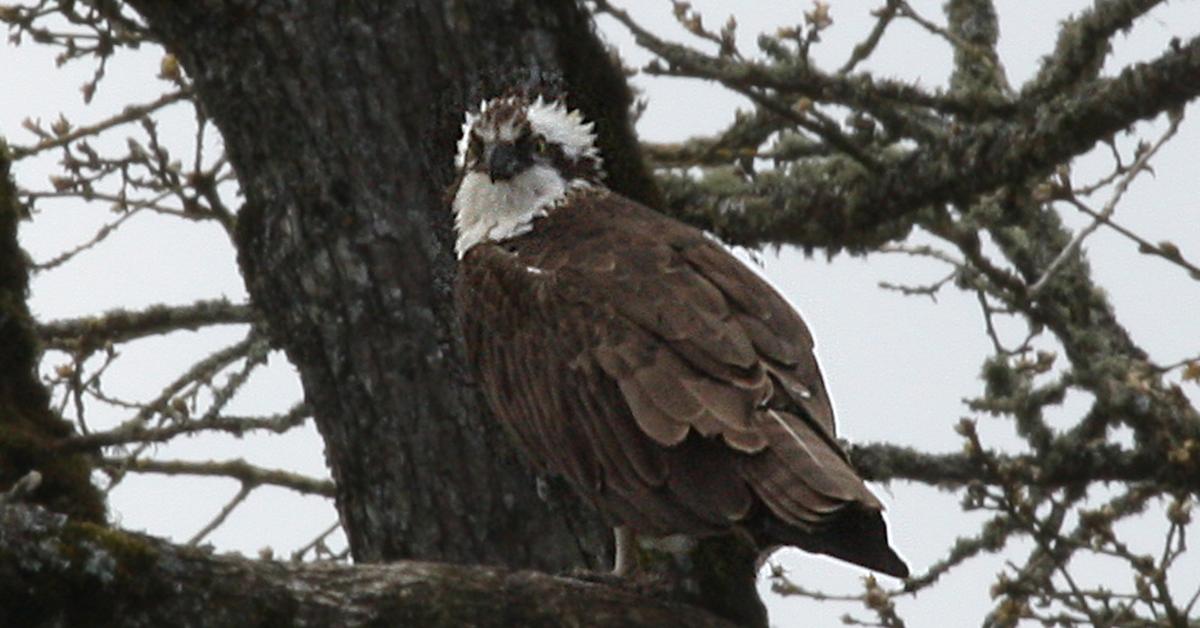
[549, 119]
[519, 159]
[565, 128]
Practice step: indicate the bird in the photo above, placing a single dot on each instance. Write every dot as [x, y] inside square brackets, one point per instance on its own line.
[633, 355]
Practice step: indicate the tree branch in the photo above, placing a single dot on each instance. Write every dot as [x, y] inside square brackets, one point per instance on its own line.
[1059, 466]
[131, 113]
[835, 204]
[136, 431]
[232, 469]
[1083, 43]
[859, 91]
[1141, 165]
[76, 334]
[57, 572]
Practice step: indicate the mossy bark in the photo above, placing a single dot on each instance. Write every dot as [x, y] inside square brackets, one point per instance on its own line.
[28, 429]
[58, 572]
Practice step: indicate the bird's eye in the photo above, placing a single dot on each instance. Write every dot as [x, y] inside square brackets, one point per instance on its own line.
[541, 146]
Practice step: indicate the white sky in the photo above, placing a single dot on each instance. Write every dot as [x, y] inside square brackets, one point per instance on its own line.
[898, 366]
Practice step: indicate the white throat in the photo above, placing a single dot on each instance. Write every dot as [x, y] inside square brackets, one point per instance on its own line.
[490, 211]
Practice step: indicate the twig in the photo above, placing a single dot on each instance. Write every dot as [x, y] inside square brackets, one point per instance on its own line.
[784, 586]
[989, 325]
[864, 49]
[1122, 186]
[235, 469]
[740, 139]
[202, 370]
[982, 54]
[818, 125]
[136, 432]
[859, 91]
[1177, 364]
[131, 113]
[1187, 610]
[316, 543]
[929, 290]
[103, 232]
[221, 516]
[1168, 253]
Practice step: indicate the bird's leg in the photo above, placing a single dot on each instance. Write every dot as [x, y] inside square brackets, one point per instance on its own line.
[626, 551]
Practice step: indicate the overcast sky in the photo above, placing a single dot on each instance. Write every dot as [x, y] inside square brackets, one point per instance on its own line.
[898, 366]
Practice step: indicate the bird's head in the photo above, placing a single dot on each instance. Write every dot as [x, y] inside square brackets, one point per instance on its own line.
[518, 158]
[511, 135]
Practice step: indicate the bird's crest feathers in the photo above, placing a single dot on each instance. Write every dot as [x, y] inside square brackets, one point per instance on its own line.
[500, 119]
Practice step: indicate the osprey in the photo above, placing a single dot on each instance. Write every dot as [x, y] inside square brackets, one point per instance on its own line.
[628, 352]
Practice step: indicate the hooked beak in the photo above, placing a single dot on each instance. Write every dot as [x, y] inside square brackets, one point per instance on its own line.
[506, 162]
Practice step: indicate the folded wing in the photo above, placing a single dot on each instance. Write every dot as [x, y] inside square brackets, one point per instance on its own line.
[666, 380]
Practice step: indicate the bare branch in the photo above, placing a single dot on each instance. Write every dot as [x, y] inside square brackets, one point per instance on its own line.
[202, 371]
[863, 50]
[858, 91]
[135, 431]
[240, 470]
[740, 140]
[1139, 166]
[221, 515]
[317, 545]
[1165, 250]
[101, 234]
[115, 326]
[131, 113]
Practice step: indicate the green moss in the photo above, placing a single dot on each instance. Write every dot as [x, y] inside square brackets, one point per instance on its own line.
[28, 429]
[1000, 378]
[132, 554]
[76, 574]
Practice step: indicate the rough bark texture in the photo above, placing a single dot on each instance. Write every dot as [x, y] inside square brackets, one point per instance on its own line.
[27, 426]
[55, 572]
[341, 119]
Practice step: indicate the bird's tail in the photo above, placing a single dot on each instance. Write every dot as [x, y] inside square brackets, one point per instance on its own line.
[858, 535]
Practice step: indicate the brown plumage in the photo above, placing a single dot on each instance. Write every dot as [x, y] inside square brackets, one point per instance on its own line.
[666, 381]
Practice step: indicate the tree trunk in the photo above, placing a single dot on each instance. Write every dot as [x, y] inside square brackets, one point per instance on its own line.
[341, 120]
[28, 428]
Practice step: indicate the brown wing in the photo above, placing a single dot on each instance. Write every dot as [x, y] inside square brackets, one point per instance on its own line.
[662, 377]
[533, 351]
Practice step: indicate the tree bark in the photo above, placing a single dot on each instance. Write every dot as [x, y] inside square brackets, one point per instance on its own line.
[27, 426]
[341, 120]
[58, 572]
